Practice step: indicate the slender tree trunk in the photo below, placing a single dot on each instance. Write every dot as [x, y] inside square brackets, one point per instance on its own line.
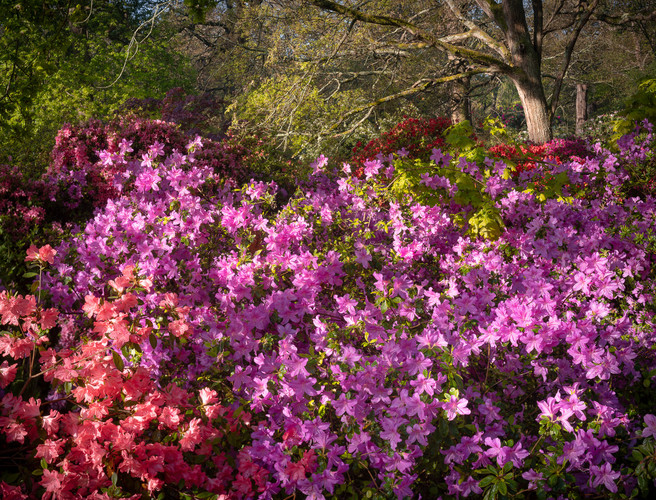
[460, 107]
[581, 107]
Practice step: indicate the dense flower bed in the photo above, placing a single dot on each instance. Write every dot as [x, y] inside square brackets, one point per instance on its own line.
[80, 178]
[195, 340]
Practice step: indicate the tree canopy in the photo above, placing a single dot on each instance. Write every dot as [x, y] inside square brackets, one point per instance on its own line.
[67, 61]
[321, 74]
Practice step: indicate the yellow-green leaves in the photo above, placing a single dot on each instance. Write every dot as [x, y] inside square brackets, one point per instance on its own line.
[551, 188]
[460, 136]
[486, 222]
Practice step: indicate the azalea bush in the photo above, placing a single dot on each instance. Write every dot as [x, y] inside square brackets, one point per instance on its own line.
[525, 156]
[80, 179]
[194, 114]
[637, 157]
[412, 137]
[23, 202]
[435, 326]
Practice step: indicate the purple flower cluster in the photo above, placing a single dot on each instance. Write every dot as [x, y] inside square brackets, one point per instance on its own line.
[87, 158]
[371, 337]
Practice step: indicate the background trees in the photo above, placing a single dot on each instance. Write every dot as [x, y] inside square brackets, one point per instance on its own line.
[425, 58]
[68, 61]
[507, 38]
[320, 75]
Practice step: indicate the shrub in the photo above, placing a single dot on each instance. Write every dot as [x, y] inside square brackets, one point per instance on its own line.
[415, 137]
[195, 114]
[637, 157]
[87, 164]
[527, 156]
[23, 203]
[361, 341]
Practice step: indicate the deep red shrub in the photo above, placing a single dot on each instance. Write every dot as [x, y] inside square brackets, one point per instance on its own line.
[527, 156]
[415, 136]
[21, 202]
[82, 178]
[143, 133]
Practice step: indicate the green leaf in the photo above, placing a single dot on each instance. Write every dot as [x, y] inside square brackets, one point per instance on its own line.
[207, 494]
[651, 468]
[552, 481]
[118, 361]
[459, 135]
[486, 481]
[153, 340]
[503, 488]
[492, 492]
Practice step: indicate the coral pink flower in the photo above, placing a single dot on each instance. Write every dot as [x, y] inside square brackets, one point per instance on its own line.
[7, 374]
[51, 422]
[52, 482]
[42, 255]
[208, 396]
[50, 450]
[193, 435]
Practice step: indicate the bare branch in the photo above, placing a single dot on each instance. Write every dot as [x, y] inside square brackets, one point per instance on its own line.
[493, 10]
[494, 64]
[478, 33]
[582, 20]
[458, 37]
[645, 15]
[133, 46]
[419, 86]
[556, 11]
[486, 7]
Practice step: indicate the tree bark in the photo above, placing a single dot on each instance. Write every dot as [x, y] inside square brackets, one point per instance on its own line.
[460, 108]
[581, 107]
[527, 76]
[534, 103]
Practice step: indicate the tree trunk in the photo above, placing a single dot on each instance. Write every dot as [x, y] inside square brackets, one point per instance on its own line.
[581, 107]
[534, 103]
[527, 75]
[460, 108]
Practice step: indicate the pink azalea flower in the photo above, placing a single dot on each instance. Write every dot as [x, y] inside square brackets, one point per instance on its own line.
[455, 407]
[604, 475]
[7, 373]
[208, 396]
[52, 482]
[650, 426]
[319, 165]
[50, 450]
